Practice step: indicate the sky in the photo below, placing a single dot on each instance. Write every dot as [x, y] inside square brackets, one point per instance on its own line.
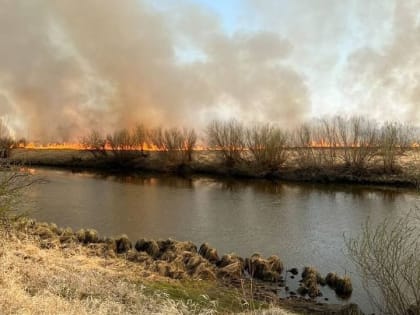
[325, 36]
[69, 66]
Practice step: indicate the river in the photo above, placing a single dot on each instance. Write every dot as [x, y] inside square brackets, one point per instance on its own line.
[303, 224]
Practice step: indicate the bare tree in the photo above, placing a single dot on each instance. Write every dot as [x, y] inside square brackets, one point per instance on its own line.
[140, 137]
[121, 143]
[395, 140]
[95, 143]
[358, 138]
[167, 140]
[308, 155]
[157, 138]
[177, 144]
[229, 138]
[6, 141]
[190, 140]
[267, 145]
[14, 179]
[388, 257]
[328, 138]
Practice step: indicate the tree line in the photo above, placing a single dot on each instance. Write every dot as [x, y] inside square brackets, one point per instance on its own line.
[176, 143]
[353, 143]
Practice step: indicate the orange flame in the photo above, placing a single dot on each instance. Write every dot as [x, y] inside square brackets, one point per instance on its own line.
[53, 146]
[79, 146]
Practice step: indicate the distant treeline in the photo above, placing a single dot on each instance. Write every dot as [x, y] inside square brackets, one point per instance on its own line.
[354, 143]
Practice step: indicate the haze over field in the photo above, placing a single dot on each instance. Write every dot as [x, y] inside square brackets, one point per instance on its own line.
[69, 66]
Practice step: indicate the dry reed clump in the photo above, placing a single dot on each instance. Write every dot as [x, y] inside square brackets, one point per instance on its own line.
[209, 253]
[269, 269]
[271, 311]
[167, 258]
[310, 284]
[341, 285]
[57, 281]
[151, 247]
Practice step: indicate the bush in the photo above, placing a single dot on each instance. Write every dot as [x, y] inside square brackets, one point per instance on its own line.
[6, 141]
[140, 137]
[267, 145]
[388, 257]
[395, 140]
[177, 144]
[122, 144]
[308, 155]
[95, 143]
[13, 180]
[229, 138]
[358, 139]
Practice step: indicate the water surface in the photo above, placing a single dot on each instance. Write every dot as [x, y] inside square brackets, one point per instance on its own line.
[302, 223]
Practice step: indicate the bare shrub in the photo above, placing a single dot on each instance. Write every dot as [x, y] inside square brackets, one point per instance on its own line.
[326, 130]
[229, 138]
[177, 144]
[388, 257]
[358, 138]
[95, 143]
[190, 140]
[167, 141]
[121, 143]
[308, 156]
[267, 145]
[395, 140]
[317, 143]
[14, 179]
[140, 137]
[6, 141]
[353, 142]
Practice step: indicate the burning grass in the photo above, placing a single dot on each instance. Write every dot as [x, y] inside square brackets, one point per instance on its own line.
[334, 149]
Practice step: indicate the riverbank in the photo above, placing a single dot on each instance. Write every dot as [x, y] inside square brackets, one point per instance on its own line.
[41, 274]
[209, 163]
[46, 269]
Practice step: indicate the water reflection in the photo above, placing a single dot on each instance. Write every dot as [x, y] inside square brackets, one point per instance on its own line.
[360, 192]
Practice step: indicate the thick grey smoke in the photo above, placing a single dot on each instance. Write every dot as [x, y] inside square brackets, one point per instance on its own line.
[359, 57]
[69, 66]
[387, 80]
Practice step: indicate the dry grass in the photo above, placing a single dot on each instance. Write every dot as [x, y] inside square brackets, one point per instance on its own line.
[55, 281]
[409, 161]
[43, 277]
[49, 156]
[271, 311]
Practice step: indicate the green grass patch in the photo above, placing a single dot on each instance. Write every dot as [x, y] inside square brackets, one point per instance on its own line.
[205, 295]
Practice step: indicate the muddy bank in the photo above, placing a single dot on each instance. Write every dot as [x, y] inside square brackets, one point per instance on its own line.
[209, 163]
[260, 278]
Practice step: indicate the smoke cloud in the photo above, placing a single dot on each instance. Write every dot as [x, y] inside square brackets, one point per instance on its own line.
[69, 66]
[386, 80]
[360, 57]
